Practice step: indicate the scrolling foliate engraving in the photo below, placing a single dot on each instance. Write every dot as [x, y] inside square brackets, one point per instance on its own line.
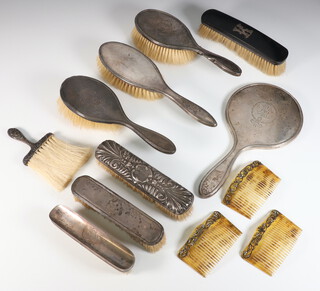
[144, 178]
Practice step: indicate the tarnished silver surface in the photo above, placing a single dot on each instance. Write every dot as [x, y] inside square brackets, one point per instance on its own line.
[119, 211]
[259, 116]
[134, 68]
[144, 178]
[95, 101]
[18, 135]
[165, 30]
[94, 239]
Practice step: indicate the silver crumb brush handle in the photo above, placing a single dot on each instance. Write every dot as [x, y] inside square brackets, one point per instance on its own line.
[155, 139]
[194, 110]
[18, 135]
[221, 62]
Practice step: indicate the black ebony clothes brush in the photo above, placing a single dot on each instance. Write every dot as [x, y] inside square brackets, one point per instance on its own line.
[255, 47]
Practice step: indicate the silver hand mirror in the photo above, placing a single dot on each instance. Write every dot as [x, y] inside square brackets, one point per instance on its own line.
[259, 116]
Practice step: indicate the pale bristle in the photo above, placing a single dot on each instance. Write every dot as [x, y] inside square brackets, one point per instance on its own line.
[250, 189]
[82, 122]
[163, 209]
[58, 161]
[251, 57]
[208, 243]
[123, 86]
[149, 248]
[271, 243]
[160, 53]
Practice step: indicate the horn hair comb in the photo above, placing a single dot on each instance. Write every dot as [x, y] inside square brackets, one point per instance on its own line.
[208, 243]
[271, 243]
[250, 189]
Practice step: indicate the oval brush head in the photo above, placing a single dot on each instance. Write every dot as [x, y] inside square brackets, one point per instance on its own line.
[161, 53]
[170, 197]
[124, 86]
[82, 122]
[255, 47]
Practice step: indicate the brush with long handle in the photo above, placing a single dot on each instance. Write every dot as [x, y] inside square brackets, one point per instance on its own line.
[165, 38]
[131, 71]
[90, 103]
[54, 159]
[255, 47]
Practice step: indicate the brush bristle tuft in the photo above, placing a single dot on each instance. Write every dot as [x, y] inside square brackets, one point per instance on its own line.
[123, 86]
[163, 209]
[82, 122]
[208, 243]
[271, 243]
[58, 161]
[160, 53]
[252, 58]
[250, 189]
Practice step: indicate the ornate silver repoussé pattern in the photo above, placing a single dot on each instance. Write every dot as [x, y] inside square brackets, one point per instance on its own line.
[144, 178]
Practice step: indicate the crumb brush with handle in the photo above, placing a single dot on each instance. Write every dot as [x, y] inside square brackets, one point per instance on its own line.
[54, 159]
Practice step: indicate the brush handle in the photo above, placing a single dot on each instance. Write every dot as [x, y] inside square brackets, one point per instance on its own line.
[221, 62]
[18, 135]
[156, 140]
[216, 177]
[194, 110]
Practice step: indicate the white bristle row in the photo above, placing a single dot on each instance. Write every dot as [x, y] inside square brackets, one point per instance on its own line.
[123, 86]
[160, 53]
[251, 57]
[275, 245]
[58, 161]
[211, 246]
[82, 122]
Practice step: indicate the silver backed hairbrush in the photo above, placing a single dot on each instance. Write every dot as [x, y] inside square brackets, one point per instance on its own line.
[141, 227]
[169, 196]
[131, 71]
[165, 38]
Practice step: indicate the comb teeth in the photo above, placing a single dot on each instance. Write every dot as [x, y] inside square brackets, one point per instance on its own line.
[252, 58]
[160, 53]
[250, 189]
[271, 243]
[123, 86]
[208, 243]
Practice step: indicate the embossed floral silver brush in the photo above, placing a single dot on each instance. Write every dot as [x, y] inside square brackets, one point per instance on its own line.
[169, 196]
